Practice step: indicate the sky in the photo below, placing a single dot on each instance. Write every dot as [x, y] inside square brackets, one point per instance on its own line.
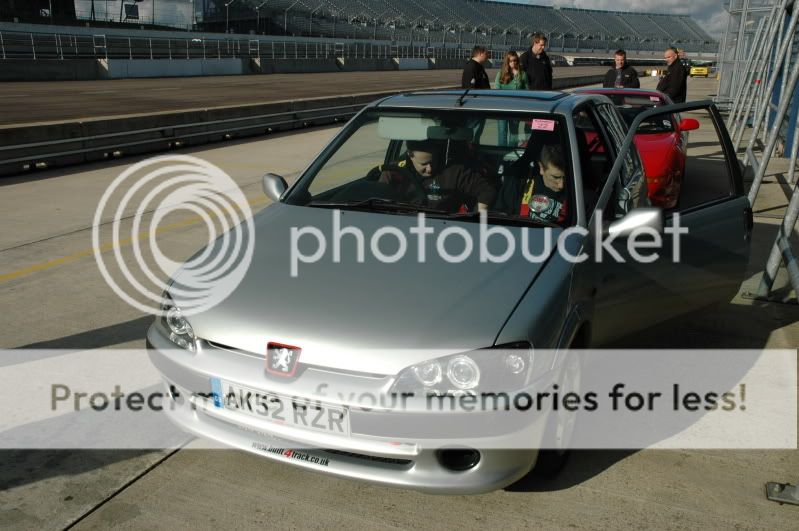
[709, 14]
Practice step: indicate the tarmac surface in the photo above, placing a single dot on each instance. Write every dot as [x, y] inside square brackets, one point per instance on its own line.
[36, 102]
[53, 296]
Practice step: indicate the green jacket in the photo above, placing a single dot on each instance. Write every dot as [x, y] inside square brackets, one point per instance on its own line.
[519, 81]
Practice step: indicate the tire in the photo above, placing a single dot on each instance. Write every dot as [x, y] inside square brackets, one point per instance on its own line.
[560, 426]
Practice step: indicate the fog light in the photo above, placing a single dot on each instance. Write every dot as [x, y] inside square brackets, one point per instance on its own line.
[458, 459]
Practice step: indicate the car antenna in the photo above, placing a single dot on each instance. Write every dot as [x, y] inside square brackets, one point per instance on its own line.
[460, 100]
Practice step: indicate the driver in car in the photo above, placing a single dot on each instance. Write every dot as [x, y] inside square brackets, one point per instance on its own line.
[420, 178]
[537, 191]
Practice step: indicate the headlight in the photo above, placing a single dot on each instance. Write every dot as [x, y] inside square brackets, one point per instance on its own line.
[505, 368]
[463, 372]
[173, 321]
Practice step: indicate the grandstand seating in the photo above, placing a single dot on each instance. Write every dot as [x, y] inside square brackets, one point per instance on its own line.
[456, 24]
[486, 22]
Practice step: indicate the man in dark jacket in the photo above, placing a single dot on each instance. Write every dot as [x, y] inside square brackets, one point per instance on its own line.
[673, 81]
[420, 178]
[623, 75]
[474, 74]
[536, 63]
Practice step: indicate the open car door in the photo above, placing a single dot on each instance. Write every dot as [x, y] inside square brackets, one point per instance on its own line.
[706, 240]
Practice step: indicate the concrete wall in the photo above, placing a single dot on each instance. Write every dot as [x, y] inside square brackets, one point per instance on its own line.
[446, 64]
[411, 64]
[292, 66]
[348, 64]
[125, 68]
[49, 70]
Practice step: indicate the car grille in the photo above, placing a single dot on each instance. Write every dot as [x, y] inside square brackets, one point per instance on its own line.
[374, 458]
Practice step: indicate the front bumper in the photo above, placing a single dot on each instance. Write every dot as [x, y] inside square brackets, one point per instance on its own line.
[379, 448]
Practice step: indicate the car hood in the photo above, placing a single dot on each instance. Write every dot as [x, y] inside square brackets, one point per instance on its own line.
[339, 313]
[656, 151]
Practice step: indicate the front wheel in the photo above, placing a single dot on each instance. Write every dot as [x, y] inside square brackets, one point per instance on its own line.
[561, 424]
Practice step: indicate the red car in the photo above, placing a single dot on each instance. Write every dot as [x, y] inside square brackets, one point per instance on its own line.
[662, 143]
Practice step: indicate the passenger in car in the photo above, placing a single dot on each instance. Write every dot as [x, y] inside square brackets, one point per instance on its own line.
[420, 178]
[536, 190]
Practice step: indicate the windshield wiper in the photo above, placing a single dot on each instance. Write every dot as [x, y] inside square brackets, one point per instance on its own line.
[379, 204]
[503, 219]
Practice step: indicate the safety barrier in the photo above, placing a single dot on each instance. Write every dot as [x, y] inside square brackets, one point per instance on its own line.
[30, 147]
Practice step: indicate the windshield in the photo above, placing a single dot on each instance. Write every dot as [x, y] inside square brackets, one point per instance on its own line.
[448, 164]
[631, 106]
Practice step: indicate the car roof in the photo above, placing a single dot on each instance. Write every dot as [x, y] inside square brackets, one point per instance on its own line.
[630, 91]
[487, 100]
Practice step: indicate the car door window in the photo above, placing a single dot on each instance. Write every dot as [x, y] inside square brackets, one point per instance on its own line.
[706, 176]
[595, 158]
[627, 192]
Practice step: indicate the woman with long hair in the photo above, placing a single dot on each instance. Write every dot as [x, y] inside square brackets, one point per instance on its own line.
[510, 77]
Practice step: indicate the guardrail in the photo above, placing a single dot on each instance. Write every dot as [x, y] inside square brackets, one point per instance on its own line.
[63, 46]
[32, 147]
[39, 147]
[166, 45]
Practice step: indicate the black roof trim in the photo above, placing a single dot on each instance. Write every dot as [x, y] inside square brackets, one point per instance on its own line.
[521, 94]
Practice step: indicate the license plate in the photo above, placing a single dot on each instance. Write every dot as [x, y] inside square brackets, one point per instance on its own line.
[300, 413]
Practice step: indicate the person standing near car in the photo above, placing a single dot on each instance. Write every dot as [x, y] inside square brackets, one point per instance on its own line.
[623, 75]
[673, 82]
[510, 77]
[537, 64]
[474, 74]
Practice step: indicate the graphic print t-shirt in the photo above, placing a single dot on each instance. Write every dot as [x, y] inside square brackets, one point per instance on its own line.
[542, 204]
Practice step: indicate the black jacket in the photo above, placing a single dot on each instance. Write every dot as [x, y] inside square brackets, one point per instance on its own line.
[673, 82]
[538, 68]
[474, 76]
[452, 187]
[629, 78]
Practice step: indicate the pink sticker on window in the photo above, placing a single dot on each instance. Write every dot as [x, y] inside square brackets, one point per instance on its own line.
[544, 125]
[654, 98]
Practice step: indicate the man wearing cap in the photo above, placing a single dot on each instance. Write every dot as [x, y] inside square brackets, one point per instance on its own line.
[420, 178]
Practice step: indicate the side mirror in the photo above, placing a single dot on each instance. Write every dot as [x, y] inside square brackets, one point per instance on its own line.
[274, 186]
[636, 219]
[689, 124]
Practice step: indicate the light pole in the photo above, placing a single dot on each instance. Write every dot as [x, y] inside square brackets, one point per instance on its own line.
[310, 23]
[374, 33]
[258, 15]
[227, 16]
[286, 17]
[412, 26]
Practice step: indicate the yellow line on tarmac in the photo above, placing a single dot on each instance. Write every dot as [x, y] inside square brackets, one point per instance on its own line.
[49, 264]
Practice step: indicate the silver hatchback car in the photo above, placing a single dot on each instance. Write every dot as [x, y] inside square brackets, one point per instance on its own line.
[368, 304]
